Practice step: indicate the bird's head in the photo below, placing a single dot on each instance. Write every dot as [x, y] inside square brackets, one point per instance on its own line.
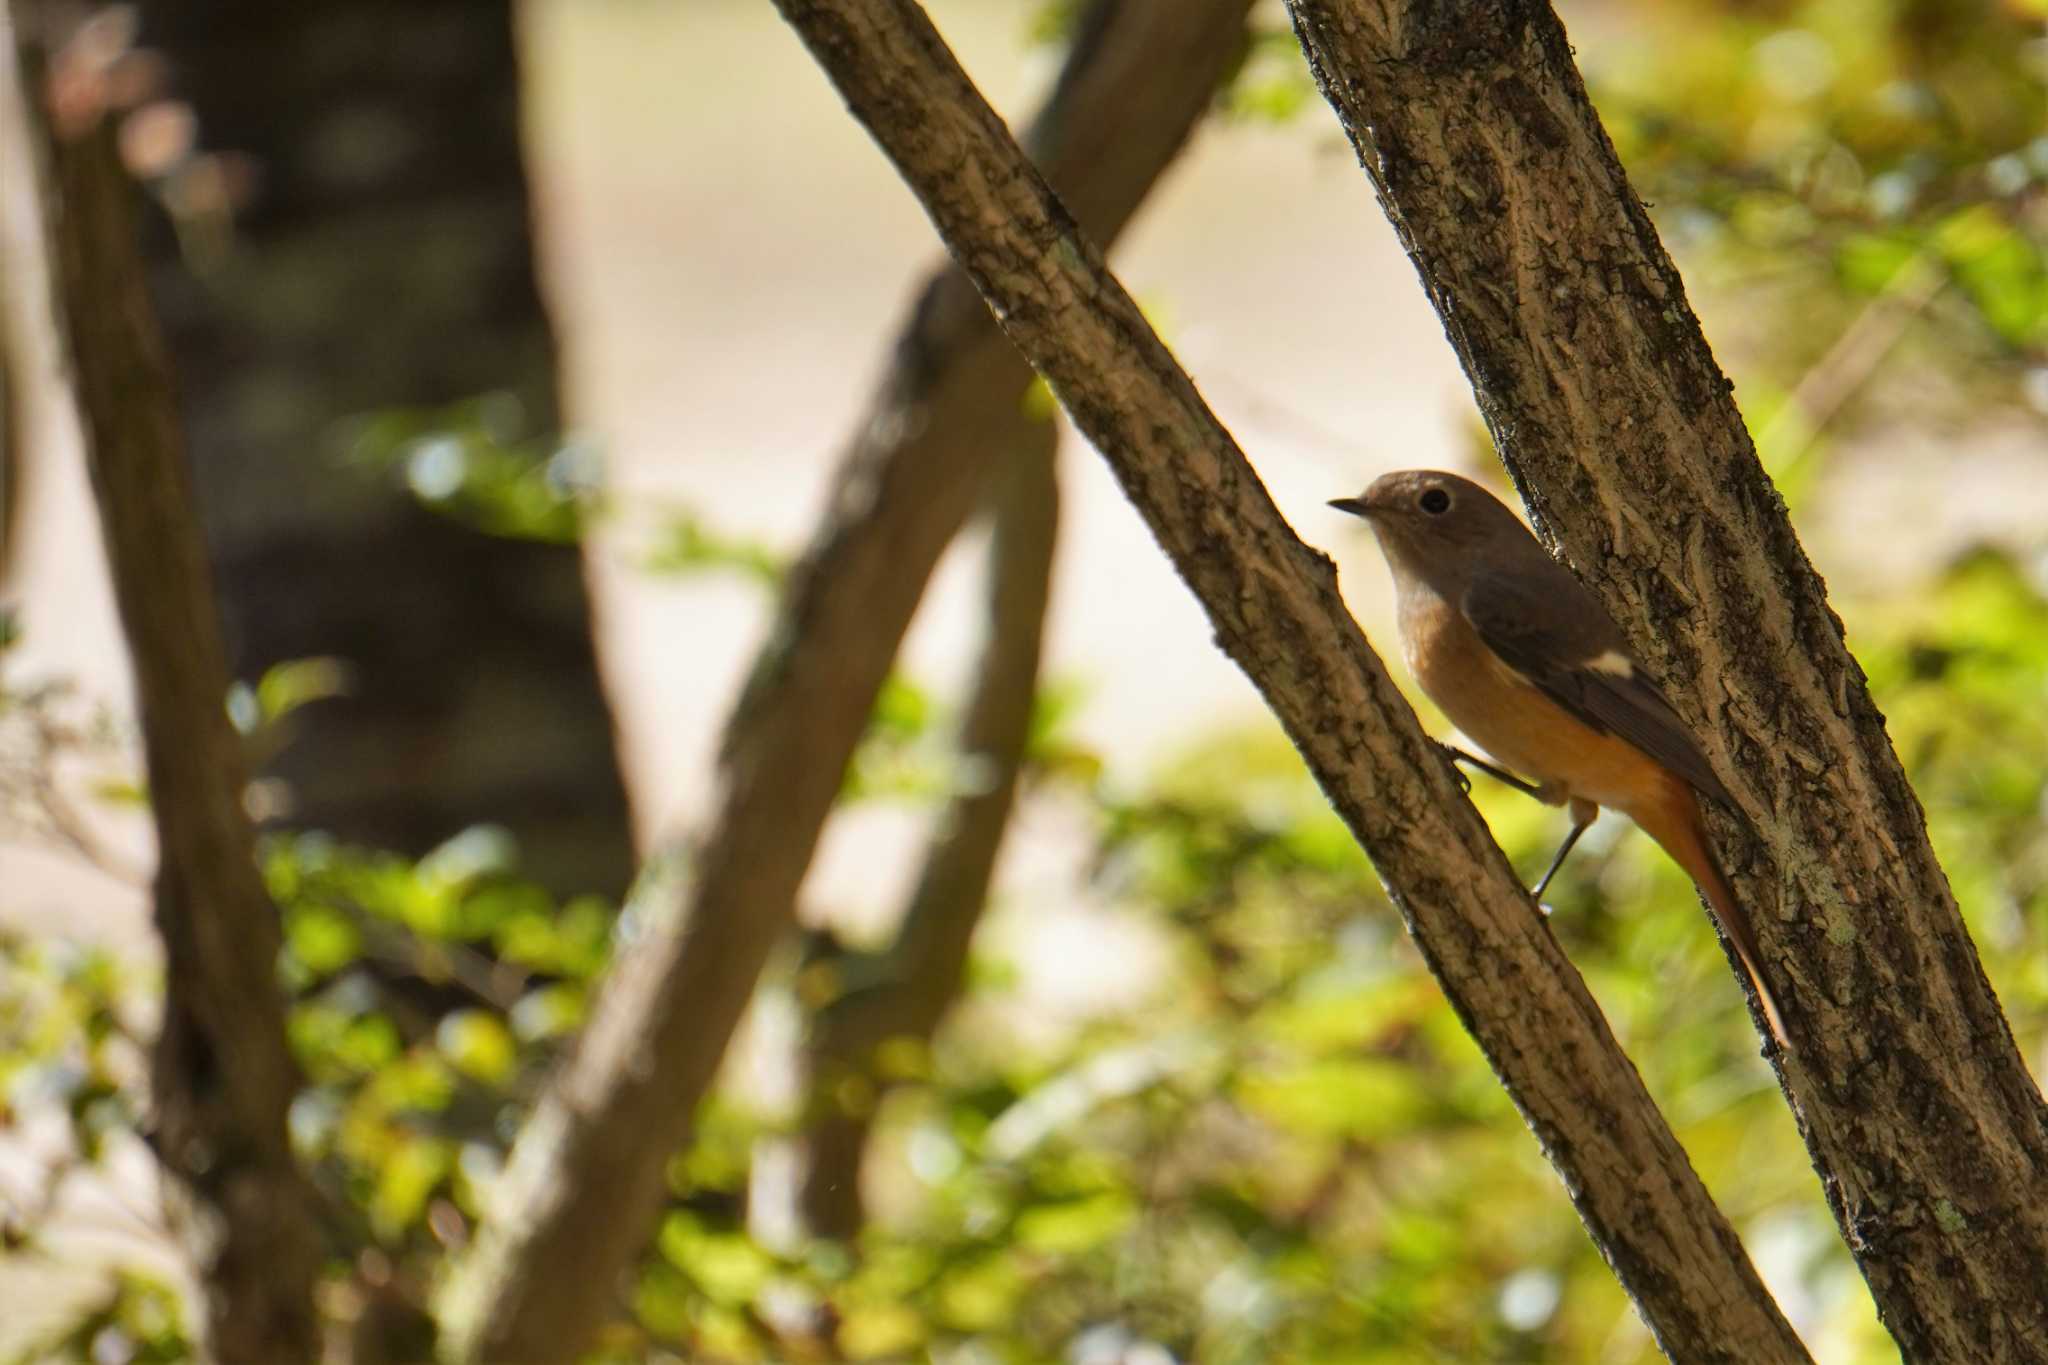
[1433, 524]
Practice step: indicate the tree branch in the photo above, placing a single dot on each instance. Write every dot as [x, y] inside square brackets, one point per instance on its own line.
[585, 1180]
[1276, 611]
[23, 294]
[1620, 430]
[1855, 356]
[222, 1076]
[13, 431]
[905, 991]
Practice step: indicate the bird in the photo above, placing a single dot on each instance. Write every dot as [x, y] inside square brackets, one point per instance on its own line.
[1522, 658]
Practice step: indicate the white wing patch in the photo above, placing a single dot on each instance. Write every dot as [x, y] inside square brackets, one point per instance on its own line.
[1613, 663]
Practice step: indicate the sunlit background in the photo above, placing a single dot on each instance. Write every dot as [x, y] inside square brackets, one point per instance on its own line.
[1203, 1096]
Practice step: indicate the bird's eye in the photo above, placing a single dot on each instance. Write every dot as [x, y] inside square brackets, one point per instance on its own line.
[1435, 502]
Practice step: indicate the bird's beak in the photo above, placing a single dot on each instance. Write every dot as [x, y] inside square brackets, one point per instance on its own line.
[1355, 506]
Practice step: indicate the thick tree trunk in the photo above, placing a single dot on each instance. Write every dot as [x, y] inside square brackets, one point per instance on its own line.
[384, 260]
[585, 1181]
[1276, 610]
[903, 992]
[1618, 426]
[222, 1077]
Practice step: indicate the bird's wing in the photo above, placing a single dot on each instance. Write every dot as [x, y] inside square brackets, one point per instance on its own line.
[1555, 633]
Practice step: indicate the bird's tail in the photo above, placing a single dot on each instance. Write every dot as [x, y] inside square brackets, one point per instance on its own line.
[1677, 827]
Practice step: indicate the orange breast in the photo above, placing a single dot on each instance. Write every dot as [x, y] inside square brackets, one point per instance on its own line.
[1517, 725]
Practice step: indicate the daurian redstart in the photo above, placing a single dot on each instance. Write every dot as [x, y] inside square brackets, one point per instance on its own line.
[1526, 662]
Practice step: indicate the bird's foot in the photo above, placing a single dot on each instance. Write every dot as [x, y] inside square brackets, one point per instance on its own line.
[1456, 756]
[1451, 757]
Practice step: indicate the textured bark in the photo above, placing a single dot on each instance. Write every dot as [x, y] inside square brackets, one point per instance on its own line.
[1621, 431]
[585, 1181]
[24, 295]
[221, 1075]
[903, 992]
[1276, 611]
[12, 426]
[383, 260]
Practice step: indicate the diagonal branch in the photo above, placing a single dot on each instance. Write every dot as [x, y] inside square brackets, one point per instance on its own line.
[1826, 388]
[585, 1181]
[905, 991]
[1605, 401]
[222, 1077]
[13, 431]
[1276, 611]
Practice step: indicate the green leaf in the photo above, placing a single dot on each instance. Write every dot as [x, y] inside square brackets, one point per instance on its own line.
[287, 686]
[687, 544]
[1075, 1225]
[322, 939]
[876, 1331]
[981, 1294]
[407, 1178]
[1355, 1097]
[903, 710]
[726, 1266]
[1866, 262]
[553, 1011]
[478, 1045]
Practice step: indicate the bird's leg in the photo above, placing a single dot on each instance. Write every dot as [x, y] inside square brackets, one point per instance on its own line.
[1455, 756]
[1584, 813]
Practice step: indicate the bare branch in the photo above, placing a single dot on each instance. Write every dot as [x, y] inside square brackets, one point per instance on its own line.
[905, 991]
[1621, 431]
[222, 1075]
[585, 1181]
[13, 431]
[1276, 611]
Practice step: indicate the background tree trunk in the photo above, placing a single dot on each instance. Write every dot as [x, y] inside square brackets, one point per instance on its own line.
[221, 1077]
[586, 1178]
[1276, 611]
[383, 260]
[1930, 1136]
[902, 993]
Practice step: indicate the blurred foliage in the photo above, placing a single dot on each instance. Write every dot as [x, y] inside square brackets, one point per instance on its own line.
[473, 461]
[49, 732]
[1278, 1144]
[1856, 186]
[1051, 22]
[686, 544]
[135, 1320]
[1270, 84]
[1852, 187]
